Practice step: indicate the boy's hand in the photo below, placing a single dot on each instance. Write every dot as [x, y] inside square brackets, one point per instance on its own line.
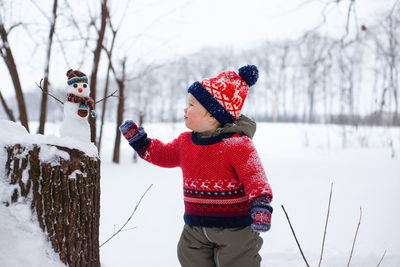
[129, 129]
[260, 212]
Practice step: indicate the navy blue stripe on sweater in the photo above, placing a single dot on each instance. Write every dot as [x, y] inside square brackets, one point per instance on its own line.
[225, 222]
[210, 103]
[210, 140]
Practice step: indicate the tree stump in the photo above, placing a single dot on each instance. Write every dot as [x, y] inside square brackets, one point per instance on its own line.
[64, 192]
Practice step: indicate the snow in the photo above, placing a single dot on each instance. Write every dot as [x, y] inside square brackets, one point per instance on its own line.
[51, 154]
[22, 242]
[14, 133]
[301, 162]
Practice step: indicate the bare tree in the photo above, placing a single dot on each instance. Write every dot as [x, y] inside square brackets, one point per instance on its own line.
[43, 105]
[106, 86]
[7, 55]
[120, 111]
[391, 54]
[109, 53]
[96, 62]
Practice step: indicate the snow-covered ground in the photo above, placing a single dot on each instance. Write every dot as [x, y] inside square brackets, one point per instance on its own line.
[301, 162]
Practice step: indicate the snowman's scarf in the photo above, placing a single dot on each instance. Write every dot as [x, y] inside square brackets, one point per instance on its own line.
[86, 104]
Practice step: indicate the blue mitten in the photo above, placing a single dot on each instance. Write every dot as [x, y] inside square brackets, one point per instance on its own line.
[136, 136]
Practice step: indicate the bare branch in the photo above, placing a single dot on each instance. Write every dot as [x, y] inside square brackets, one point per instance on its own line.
[122, 17]
[379, 263]
[6, 108]
[41, 10]
[326, 226]
[394, 7]
[130, 217]
[348, 19]
[40, 86]
[294, 234]
[355, 237]
[128, 229]
[110, 95]
[74, 22]
[13, 27]
[146, 71]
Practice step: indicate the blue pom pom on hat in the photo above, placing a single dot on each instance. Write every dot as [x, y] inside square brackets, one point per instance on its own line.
[249, 74]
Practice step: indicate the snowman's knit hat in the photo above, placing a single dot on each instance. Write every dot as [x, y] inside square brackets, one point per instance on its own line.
[75, 76]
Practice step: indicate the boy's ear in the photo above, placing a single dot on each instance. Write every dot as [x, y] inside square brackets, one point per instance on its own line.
[210, 118]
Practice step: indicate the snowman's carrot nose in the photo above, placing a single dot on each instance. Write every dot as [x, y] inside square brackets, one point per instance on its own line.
[80, 90]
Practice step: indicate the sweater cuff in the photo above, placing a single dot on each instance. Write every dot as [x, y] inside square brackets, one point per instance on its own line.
[261, 204]
[140, 142]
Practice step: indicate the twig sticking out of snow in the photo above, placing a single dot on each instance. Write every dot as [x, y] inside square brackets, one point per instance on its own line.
[294, 234]
[326, 226]
[379, 263]
[130, 217]
[355, 237]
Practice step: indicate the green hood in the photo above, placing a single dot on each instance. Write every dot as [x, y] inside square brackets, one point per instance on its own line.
[242, 125]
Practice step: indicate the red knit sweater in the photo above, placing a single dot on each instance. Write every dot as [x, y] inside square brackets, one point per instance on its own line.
[221, 176]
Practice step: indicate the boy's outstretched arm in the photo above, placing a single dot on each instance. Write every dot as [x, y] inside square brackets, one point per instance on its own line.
[250, 172]
[150, 149]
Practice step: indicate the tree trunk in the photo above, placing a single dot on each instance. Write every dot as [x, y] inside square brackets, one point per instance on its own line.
[43, 105]
[120, 111]
[103, 110]
[65, 195]
[12, 69]
[96, 61]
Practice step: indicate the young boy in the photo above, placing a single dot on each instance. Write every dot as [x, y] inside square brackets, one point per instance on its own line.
[226, 192]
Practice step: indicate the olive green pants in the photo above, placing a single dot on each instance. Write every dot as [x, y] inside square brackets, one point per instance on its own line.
[219, 247]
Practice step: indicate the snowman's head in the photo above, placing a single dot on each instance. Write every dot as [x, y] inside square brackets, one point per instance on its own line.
[80, 89]
[78, 83]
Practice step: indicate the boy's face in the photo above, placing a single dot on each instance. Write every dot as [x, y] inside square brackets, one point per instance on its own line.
[197, 117]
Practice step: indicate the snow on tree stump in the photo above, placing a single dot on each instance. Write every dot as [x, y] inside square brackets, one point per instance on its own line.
[65, 195]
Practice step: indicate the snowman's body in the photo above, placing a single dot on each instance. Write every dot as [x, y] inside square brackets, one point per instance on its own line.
[74, 125]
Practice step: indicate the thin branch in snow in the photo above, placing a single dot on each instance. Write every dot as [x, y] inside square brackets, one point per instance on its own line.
[326, 226]
[125, 230]
[130, 217]
[294, 234]
[40, 86]
[379, 263]
[355, 237]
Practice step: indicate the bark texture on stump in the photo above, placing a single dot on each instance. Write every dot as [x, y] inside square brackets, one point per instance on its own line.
[65, 195]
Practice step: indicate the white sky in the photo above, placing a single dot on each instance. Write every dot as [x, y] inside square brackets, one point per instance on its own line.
[155, 30]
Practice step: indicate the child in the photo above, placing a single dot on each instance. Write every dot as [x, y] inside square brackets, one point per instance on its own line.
[226, 192]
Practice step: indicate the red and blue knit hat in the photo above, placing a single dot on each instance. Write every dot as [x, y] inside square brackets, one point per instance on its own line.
[75, 76]
[224, 95]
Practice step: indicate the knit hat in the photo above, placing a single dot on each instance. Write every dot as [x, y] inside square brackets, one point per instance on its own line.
[223, 96]
[75, 76]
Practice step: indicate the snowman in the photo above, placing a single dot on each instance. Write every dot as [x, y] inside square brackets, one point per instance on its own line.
[77, 107]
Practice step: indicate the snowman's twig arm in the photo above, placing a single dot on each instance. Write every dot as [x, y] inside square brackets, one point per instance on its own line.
[107, 97]
[40, 86]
